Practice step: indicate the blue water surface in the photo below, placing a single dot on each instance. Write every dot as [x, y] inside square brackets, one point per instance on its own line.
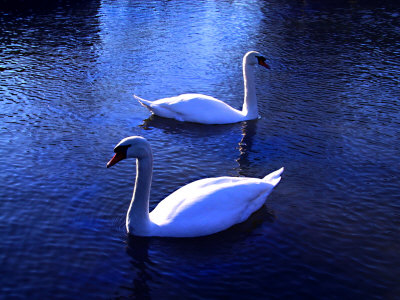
[330, 115]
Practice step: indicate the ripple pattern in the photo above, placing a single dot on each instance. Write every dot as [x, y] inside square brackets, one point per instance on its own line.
[329, 114]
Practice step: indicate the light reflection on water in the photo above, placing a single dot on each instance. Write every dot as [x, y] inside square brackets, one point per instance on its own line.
[329, 115]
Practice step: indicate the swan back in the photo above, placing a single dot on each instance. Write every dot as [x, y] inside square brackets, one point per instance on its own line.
[196, 108]
[211, 205]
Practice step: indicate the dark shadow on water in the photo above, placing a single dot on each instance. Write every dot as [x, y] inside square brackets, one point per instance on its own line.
[49, 26]
[40, 6]
[184, 251]
[138, 249]
[171, 126]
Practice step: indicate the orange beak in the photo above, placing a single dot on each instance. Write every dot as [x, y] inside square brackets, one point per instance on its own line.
[264, 64]
[116, 158]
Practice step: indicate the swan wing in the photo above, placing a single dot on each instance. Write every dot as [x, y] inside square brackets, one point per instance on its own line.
[210, 205]
[196, 108]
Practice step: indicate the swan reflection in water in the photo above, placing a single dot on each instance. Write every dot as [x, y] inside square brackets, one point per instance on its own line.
[245, 145]
[193, 130]
[166, 259]
[137, 248]
[187, 129]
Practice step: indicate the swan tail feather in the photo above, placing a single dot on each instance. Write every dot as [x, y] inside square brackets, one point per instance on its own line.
[274, 177]
[144, 102]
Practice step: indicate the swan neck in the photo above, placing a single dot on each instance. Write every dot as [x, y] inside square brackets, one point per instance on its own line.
[137, 219]
[250, 109]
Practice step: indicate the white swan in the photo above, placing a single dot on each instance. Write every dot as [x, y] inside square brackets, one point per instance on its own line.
[200, 208]
[204, 109]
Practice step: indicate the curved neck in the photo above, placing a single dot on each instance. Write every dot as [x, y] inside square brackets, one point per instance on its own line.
[250, 109]
[137, 218]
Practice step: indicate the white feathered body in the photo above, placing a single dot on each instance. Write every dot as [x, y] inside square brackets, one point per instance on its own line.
[204, 109]
[210, 205]
[196, 108]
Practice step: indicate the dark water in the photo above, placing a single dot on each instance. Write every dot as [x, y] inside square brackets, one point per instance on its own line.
[330, 116]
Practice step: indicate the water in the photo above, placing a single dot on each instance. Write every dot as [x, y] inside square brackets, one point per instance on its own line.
[329, 114]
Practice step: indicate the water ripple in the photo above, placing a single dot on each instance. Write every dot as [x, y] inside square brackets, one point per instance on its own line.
[329, 115]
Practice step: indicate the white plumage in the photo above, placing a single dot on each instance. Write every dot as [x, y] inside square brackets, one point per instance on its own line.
[203, 207]
[205, 109]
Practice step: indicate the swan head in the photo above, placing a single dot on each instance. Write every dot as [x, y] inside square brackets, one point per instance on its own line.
[130, 147]
[255, 58]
